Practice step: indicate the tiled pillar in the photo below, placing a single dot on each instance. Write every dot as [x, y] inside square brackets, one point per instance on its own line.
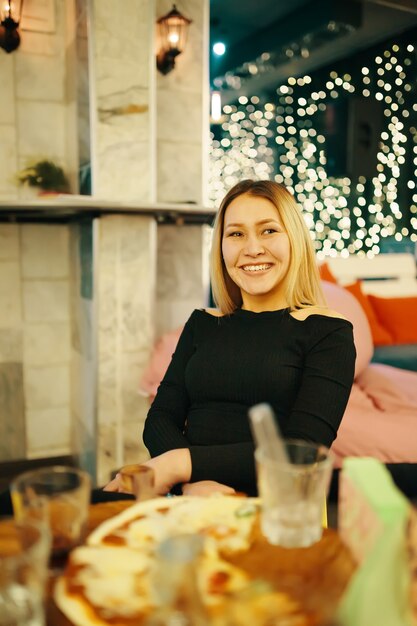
[123, 169]
[125, 275]
[148, 134]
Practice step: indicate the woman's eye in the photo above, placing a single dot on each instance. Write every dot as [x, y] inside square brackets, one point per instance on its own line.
[269, 231]
[234, 234]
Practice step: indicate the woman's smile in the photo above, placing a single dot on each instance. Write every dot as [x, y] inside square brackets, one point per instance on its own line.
[256, 269]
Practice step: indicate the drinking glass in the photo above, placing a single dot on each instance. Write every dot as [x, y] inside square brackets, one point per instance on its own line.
[60, 497]
[293, 493]
[24, 552]
[139, 480]
[176, 591]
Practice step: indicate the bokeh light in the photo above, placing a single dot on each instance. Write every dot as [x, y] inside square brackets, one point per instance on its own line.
[285, 139]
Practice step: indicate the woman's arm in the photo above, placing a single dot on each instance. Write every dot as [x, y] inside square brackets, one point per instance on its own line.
[169, 468]
[326, 385]
[206, 488]
[229, 464]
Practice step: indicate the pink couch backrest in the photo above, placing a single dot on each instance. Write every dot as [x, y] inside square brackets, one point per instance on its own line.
[343, 302]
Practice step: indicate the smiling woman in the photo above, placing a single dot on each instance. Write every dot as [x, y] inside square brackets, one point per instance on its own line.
[267, 221]
[271, 340]
[256, 252]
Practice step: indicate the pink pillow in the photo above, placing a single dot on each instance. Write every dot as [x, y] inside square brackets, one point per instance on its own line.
[343, 302]
[158, 363]
[380, 418]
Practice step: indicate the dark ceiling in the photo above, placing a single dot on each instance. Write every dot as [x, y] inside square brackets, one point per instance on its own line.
[269, 40]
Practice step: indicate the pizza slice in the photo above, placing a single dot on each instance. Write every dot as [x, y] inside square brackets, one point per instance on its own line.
[226, 520]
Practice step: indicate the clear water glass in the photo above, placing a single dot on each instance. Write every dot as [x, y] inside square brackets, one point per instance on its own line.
[19, 606]
[139, 480]
[24, 552]
[59, 496]
[293, 493]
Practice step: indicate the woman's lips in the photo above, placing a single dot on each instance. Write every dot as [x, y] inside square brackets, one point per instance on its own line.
[256, 268]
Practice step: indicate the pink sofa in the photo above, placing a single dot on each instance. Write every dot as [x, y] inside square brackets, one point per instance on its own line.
[381, 416]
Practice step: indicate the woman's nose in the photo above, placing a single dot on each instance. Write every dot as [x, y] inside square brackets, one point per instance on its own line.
[253, 246]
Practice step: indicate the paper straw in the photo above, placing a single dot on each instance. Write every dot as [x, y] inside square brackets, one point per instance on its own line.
[266, 432]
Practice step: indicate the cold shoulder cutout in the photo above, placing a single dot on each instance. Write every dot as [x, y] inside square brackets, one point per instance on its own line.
[303, 314]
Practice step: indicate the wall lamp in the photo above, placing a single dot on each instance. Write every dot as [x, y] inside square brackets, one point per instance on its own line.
[10, 14]
[172, 34]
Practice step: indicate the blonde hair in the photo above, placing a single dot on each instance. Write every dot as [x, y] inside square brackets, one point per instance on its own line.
[302, 281]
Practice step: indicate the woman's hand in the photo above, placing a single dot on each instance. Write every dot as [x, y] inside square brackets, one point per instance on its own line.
[115, 485]
[206, 488]
[170, 468]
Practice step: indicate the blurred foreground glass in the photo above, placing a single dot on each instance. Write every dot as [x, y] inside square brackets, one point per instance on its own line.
[293, 494]
[59, 496]
[139, 480]
[177, 595]
[24, 552]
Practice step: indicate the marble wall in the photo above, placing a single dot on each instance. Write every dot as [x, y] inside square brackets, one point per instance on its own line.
[149, 130]
[120, 89]
[35, 419]
[82, 304]
[126, 278]
[37, 113]
[182, 274]
[182, 112]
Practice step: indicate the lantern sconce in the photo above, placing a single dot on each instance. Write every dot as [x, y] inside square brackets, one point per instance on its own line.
[172, 33]
[10, 14]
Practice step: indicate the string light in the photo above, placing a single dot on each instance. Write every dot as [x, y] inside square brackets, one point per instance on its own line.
[284, 140]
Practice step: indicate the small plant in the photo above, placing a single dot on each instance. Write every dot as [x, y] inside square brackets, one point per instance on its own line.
[46, 176]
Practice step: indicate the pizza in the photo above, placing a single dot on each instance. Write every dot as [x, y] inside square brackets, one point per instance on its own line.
[225, 520]
[111, 579]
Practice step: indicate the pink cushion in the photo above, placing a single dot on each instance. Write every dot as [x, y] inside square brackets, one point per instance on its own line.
[343, 302]
[159, 361]
[380, 418]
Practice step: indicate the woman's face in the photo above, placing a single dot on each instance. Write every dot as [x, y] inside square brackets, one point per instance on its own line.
[256, 252]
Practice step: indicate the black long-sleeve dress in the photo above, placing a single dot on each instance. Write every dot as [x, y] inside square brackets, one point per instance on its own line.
[224, 365]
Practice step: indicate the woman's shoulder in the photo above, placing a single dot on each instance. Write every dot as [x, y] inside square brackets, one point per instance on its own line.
[212, 312]
[322, 311]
